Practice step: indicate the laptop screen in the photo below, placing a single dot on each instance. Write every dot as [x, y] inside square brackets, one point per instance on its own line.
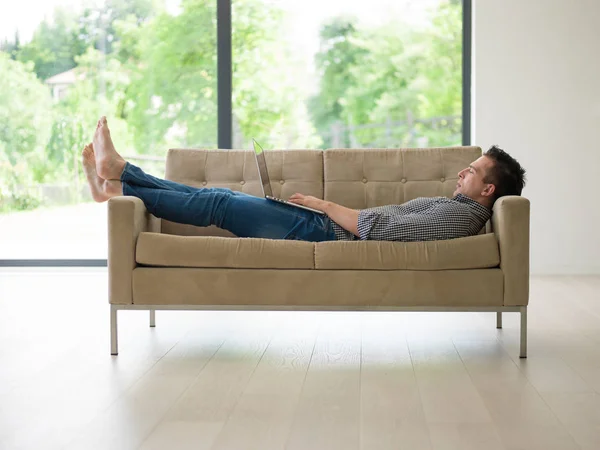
[262, 168]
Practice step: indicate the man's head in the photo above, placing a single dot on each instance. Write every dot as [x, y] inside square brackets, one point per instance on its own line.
[490, 177]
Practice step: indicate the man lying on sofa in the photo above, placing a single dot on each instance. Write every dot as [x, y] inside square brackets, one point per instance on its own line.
[424, 219]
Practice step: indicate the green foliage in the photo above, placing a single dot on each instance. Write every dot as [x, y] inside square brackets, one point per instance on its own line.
[58, 42]
[25, 120]
[54, 45]
[172, 91]
[98, 22]
[341, 53]
[389, 73]
[12, 48]
[12, 177]
[172, 60]
[441, 93]
[268, 102]
[25, 110]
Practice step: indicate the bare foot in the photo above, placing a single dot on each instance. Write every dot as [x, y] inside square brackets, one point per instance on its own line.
[96, 183]
[109, 163]
[101, 189]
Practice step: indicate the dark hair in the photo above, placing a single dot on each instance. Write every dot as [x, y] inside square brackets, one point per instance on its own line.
[507, 174]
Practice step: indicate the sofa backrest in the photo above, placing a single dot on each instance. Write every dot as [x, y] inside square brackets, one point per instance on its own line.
[374, 177]
[356, 178]
[290, 171]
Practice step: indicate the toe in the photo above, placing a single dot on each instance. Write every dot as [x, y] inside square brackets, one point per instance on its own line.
[87, 153]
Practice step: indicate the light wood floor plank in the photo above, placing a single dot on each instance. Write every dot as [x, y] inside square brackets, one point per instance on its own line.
[328, 413]
[447, 392]
[502, 384]
[263, 416]
[391, 412]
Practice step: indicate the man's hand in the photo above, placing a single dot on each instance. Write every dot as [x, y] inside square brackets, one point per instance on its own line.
[345, 217]
[310, 201]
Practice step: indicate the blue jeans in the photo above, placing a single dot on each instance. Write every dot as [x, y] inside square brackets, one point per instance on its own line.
[242, 214]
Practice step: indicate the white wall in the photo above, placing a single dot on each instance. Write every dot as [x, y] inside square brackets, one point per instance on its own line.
[536, 93]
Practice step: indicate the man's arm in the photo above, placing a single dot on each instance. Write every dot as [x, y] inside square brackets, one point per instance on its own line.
[347, 218]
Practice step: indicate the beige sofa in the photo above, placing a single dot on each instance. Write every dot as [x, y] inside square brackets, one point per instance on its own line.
[154, 264]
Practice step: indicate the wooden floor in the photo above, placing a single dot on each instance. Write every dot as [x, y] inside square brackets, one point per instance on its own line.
[275, 380]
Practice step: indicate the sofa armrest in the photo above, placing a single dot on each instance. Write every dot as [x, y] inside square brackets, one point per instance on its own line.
[510, 222]
[127, 218]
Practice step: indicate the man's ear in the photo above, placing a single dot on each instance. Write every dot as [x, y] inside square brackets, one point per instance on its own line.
[489, 190]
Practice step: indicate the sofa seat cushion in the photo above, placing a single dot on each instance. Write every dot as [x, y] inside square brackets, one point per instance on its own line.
[165, 250]
[474, 252]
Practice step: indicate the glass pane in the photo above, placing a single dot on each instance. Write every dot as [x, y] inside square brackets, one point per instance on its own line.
[148, 65]
[347, 73]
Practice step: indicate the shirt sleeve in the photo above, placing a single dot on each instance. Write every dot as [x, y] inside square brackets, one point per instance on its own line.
[367, 219]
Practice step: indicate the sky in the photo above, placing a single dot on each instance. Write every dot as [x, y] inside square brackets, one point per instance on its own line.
[27, 14]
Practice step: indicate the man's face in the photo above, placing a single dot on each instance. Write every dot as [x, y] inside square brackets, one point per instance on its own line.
[470, 179]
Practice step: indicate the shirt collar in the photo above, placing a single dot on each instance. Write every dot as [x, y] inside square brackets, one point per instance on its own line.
[482, 211]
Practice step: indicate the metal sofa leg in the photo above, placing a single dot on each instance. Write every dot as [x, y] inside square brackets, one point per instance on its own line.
[523, 353]
[152, 317]
[114, 346]
[498, 319]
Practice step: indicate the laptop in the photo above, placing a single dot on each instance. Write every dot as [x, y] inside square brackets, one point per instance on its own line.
[265, 182]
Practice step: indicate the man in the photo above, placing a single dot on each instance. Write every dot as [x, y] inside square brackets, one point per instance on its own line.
[491, 176]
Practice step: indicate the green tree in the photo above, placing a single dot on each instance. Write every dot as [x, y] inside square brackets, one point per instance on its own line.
[372, 76]
[268, 100]
[172, 64]
[54, 45]
[172, 98]
[25, 120]
[57, 42]
[413, 71]
[11, 47]
[97, 24]
[341, 51]
[442, 63]
[25, 110]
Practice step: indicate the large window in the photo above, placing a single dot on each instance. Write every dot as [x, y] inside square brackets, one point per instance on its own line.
[347, 73]
[305, 74]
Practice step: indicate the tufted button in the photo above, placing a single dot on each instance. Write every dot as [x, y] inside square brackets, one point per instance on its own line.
[281, 181]
[443, 179]
[364, 180]
[403, 180]
[204, 183]
[242, 182]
